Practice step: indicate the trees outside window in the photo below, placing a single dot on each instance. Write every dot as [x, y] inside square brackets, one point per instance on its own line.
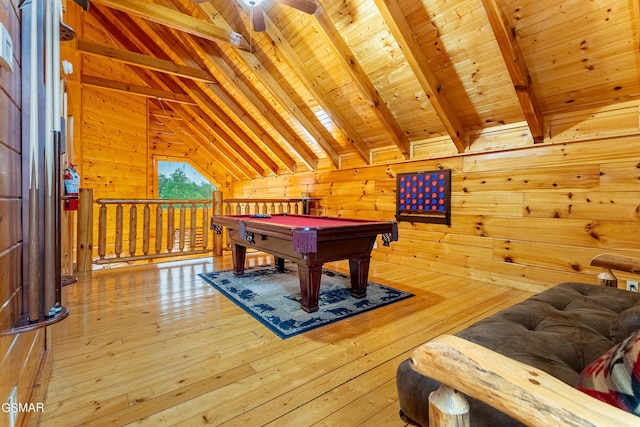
[179, 180]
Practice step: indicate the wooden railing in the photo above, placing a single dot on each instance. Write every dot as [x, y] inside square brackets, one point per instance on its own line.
[263, 206]
[159, 229]
[221, 206]
[143, 229]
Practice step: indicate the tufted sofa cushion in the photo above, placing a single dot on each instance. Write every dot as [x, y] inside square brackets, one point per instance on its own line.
[559, 331]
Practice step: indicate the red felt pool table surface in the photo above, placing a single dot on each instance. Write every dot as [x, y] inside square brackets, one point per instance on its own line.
[289, 220]
[309, 241]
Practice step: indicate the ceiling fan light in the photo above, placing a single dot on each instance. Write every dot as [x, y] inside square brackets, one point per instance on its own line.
[252, 3]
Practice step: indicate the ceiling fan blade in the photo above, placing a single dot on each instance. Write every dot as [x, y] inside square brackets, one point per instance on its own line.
[305, 6]
[198, 1]
[258, 19]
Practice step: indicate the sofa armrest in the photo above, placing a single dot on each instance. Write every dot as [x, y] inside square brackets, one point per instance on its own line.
[617, 262]
[527, 394]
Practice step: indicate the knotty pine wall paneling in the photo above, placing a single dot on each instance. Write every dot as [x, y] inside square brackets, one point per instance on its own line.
[114, 150]
[20, 354]
[528, 218]
[113, 147]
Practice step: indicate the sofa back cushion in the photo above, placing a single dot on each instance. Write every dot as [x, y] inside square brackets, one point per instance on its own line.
[625, 324]
[614, 377]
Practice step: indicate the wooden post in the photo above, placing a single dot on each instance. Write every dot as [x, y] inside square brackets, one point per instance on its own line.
[448, 408]
[85, 230]
[306, 203]
[102, 231]
[607, 278]
[217, 210]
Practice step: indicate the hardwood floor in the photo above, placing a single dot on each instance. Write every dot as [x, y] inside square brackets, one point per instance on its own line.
[155, 346]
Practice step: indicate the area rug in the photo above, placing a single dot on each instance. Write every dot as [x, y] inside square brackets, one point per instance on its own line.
[273, 298]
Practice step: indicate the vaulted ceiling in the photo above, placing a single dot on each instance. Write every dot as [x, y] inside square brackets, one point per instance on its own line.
[360, 80]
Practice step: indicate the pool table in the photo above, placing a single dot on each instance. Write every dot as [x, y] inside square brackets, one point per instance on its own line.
[309, 241]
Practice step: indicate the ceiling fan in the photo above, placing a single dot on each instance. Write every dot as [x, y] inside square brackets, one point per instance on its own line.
[257, 13]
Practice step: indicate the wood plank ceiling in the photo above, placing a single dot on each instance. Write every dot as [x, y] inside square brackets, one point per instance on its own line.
[360, 77]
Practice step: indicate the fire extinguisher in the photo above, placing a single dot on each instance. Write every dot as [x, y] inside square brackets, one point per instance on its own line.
[71, 188]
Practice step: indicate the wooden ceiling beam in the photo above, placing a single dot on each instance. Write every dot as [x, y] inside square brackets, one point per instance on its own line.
[123, 29]
[220, 175]
[363, 83]
[211, 54]
[179, 21]
[205, 101]
[198, 141]
[207, 104]
[160, 111]
[309, 81]
[144, 61]
[283, 129]
[517, 68]
[135, 89]
[215, 57]
[202, 122]
[397, 23]
[219, 154]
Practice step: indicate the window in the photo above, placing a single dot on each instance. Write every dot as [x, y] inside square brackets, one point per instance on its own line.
[179, 180]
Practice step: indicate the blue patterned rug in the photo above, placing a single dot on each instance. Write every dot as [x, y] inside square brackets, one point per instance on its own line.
[273, 298]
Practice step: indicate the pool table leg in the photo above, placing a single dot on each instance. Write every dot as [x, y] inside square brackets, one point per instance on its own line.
[280, 264]
[359, 272]
[238, 253]
[310, 286]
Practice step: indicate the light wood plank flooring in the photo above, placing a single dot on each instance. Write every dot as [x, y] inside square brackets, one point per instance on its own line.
[156, 346]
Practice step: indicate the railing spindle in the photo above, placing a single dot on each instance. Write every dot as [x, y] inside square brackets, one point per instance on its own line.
[171, 233]
[183, 220]
[146, 229]
[133, 225]
[192, 237]
[102, 231]
[118, 247]
[205, 226]
[158, 229]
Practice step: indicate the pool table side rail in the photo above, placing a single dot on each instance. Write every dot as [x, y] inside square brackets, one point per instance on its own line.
[281, 231]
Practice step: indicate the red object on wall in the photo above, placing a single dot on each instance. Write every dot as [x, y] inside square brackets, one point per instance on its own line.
[71, 188]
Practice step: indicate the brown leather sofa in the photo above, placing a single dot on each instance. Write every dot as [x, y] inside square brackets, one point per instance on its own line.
[558, 331]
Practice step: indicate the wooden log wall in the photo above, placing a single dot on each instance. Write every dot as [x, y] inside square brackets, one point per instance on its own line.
[20, 354]
[528, 218]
